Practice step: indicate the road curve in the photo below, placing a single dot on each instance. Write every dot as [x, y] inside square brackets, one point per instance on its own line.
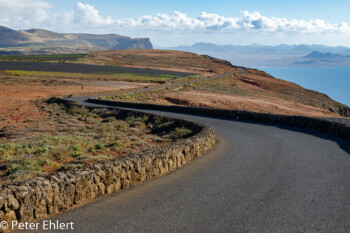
[258, 178]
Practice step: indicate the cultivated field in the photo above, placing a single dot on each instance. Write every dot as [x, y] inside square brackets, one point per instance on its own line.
[84, 68]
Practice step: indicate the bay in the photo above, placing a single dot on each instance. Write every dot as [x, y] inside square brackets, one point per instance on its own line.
[332, 81]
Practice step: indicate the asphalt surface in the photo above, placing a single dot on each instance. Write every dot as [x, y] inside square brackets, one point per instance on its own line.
[258, 178]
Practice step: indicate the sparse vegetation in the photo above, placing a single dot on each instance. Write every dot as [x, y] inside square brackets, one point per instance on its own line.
[159, 59]
[73, 136]
[140, 97]
[103, 76]
[225, 85]
[251, 90]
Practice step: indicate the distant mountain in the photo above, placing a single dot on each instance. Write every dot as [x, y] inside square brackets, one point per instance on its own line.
[9, 37]
[37, 39]
[318, 55]
[317, 58]
[270, 56]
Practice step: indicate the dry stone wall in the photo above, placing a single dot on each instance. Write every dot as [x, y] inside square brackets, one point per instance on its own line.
[333, 126]
[42, 196]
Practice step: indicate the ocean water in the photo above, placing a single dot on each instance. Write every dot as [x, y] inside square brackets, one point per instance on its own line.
[334, 82]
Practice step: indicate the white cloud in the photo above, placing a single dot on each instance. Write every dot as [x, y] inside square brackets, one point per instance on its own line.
[86, 14]
[85, 17]
[24, 13]
[10, 6]
[250, 21]
[168, 22]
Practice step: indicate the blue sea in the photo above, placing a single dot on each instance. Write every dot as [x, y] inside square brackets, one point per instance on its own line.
[334, 82]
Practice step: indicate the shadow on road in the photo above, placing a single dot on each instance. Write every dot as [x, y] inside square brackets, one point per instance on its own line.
[343, 143]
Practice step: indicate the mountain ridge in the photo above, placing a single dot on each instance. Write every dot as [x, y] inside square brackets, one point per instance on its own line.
[317, 54]
[12, 41]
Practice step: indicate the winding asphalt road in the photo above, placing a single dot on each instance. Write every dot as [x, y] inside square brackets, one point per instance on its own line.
[258, 178]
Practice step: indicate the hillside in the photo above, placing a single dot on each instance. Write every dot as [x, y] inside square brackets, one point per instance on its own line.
[251, 90]
[9, 37]
[38, 41]
[161, 59]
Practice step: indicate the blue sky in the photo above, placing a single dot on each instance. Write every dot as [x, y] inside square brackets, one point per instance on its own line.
[333, 11]
[171, 23]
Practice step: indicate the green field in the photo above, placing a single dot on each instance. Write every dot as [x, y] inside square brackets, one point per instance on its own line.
[129, 77]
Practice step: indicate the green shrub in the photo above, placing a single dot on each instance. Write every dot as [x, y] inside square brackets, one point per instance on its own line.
[13, 169]
[77, 110]
[164, 127]
[42, 150]
[109, 119]
[137, 143]
[119, 143]
[137, 124]
[99, 146]
[178, 133]
[60, 152]
[130, 119]
[91, 149]
[76, 150]
[121, 126]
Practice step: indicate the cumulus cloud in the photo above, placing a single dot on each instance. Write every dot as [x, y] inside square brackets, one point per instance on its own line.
[88, 15]
[250, 21]
[85, 17]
